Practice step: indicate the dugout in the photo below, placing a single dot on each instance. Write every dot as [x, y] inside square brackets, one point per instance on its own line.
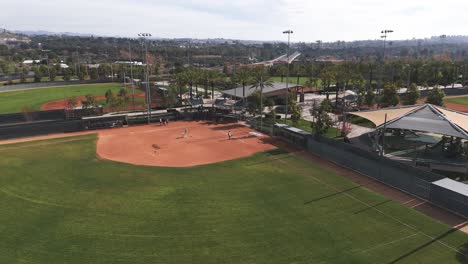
[292, 134]
[79, 112]
[102, 122]
[450, 194]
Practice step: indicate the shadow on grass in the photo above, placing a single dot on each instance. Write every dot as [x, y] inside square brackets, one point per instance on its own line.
[332, 195]
[270, 160]
[371, 207]
[461, 252]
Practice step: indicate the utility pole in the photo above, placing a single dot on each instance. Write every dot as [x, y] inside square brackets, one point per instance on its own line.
[144, 36]
[47, 61]
[442, 39]
[131, 74]
[409, 77]
[289, 32]
[384, 35]
[78, 59]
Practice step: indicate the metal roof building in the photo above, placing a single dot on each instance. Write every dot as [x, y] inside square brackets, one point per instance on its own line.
[277, 88]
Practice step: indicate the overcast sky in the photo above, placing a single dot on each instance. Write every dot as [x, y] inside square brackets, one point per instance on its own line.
[311, 20]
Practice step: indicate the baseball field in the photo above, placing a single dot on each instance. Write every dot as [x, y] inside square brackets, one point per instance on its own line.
[462, 100]
[14, 101]
[65, 200]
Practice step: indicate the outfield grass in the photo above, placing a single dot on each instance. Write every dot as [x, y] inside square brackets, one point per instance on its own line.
[457, 100]
[60, 204]
[14, 101]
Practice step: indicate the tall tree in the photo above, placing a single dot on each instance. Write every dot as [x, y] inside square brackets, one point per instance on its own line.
[180, 82]
[370, 97]
[436, 97]
[412, 94]
[327, 75]
[390, 95]
[191, 76]
[53, 74]
[243, 76]
[214, 77]
[260, 80]
[322, 121]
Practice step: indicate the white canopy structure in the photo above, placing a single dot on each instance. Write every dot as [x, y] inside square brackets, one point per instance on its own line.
[425, 118]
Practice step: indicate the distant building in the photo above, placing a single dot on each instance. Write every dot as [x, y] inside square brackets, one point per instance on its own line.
[277, 89]
[62, 65]
[134, 63]
[329, 59]
[31, 62]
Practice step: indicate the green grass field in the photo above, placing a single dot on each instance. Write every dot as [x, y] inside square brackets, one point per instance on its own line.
[457, 100]
[305, 125]
[14, 101]
[292, 79]
[60, 204]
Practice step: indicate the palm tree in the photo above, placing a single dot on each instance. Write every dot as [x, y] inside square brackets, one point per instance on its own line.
[213, 77]
[282, 70]
[300, 71]
[261, 80]
[243, 76]
[198, 79]
[180, 81]
[190, 76]
[204, 79]
[327, 75]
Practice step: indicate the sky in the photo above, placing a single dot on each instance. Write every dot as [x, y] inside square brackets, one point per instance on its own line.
[311, 20]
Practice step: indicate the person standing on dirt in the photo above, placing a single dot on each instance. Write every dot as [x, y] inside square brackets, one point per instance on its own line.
[160, 122]
[229, 135]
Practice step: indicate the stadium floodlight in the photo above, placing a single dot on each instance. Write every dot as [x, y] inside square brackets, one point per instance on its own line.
[289, 32]
[148, 91]
[384, 35]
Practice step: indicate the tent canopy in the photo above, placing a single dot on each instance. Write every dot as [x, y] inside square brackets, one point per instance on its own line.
[378, 116]
[426, 118]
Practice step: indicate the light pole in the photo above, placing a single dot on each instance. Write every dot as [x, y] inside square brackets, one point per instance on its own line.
[384, 35]
[47, 61]
[148, 92]
[289, 32]
[409, 76]
[442, 39]
[131, 74]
